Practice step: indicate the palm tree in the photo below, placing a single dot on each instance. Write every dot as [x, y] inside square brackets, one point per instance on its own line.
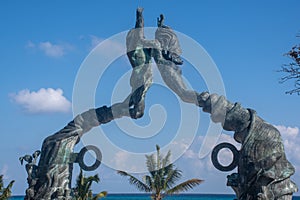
[5, 193]
[83, 191]
[162, 178]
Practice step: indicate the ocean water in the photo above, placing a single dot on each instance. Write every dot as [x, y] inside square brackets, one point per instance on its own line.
[174, 197]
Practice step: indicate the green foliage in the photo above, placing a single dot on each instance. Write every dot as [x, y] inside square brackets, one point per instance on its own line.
[83, 191]
[162, 177]
[5, 192]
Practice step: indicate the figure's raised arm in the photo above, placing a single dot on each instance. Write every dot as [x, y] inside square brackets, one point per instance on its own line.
[169, 42]
[139, 18]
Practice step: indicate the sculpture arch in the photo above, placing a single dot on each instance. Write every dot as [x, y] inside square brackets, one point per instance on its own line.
[263, 170]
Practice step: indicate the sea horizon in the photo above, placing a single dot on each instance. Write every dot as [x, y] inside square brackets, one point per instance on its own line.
[145, 196]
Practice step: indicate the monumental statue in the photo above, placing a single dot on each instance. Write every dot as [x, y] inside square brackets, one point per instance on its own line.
[263, 171]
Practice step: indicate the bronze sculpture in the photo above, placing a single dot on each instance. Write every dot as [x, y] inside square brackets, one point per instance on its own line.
[263, 170]
[165, 50]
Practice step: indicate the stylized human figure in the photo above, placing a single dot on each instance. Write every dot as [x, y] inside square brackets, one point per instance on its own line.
[31, 169]
[165, 50]
[139, 52]
[263, 169]
[169, 69]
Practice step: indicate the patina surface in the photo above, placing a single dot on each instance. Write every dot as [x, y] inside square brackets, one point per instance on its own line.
[263, 170]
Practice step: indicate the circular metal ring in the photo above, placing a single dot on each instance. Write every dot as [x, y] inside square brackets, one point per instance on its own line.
[215, 161]
[81, 156]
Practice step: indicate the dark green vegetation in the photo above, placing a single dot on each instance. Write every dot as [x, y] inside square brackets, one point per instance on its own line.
[83, 191]
[162, 177]
[5, 192]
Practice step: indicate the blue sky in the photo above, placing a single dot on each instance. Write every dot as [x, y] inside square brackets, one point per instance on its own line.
[43, 45]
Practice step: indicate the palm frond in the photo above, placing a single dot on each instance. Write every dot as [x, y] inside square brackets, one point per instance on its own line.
[172, 176]
[79, 180]
[6, 193]
[83, 186]
[94, 178]
[151, 162]
[185, 186]
[1, 182]
[88, 183]
[166, 170]
[163, 176]
[148, 180]
[160, 178]
[158, 158]
[10, 185]
[158, 181]
[166, 159]
[134, 181]
[80, 184]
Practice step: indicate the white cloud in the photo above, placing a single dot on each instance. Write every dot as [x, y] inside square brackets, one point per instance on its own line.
[50, 49]
[124, 160]
[43, 101]
[291, 141]
[288, 132]
[121, 159]
[190, 154]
